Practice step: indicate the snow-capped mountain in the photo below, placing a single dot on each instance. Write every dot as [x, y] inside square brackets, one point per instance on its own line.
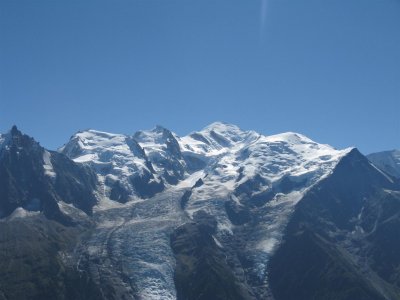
[388, 161]
[34, 179]
[162, 149]
[215, 214]
[216, 139]
[119, 161]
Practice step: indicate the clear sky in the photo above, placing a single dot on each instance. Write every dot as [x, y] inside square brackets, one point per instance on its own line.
[329, 69]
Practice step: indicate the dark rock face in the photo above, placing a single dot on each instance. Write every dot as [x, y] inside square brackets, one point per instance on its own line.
[185, 198]
[238, 215]
[316, 270]
[331, 245]
[256, 191]
[74, 183]
[193, 163]
[251, 191]
[145, 186]
[32, 265]
[24, 182]
[118, 193]
[186, 195]
[202, 271]
[35, 251]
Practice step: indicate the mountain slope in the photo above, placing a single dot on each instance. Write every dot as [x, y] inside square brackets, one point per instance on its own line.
[388, 161]
[33, 261]
[46, 201]
[120, 162]
[344, 235]
[247, 183]
[35, 179]
[221, 213]
[162, 149]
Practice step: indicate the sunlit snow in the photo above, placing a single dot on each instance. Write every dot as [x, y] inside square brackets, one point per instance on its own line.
[48, 167]
[136, 235]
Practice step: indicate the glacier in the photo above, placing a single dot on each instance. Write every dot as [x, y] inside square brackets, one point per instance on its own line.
[248, 182]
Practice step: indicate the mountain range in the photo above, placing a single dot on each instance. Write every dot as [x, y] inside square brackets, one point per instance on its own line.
[221, 213]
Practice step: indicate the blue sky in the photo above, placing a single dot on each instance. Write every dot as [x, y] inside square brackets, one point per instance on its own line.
[328, 69]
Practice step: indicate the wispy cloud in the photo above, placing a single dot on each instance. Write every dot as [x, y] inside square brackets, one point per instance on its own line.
[263, 18]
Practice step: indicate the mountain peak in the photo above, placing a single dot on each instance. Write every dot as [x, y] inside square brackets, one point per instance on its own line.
[90, 133]
[160, 128]
[221, 127]
[17, 138]
[290, 137]
[216, 138]
[157, 135]
[388, 161]
[14, 131]
[225, 134]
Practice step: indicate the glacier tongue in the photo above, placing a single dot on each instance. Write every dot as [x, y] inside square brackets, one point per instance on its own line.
[249, 183]
[131, 246]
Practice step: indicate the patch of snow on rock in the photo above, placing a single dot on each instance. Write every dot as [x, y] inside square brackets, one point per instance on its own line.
[48, 167]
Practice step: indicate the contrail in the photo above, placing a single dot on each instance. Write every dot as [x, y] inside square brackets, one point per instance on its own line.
[263, 18]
